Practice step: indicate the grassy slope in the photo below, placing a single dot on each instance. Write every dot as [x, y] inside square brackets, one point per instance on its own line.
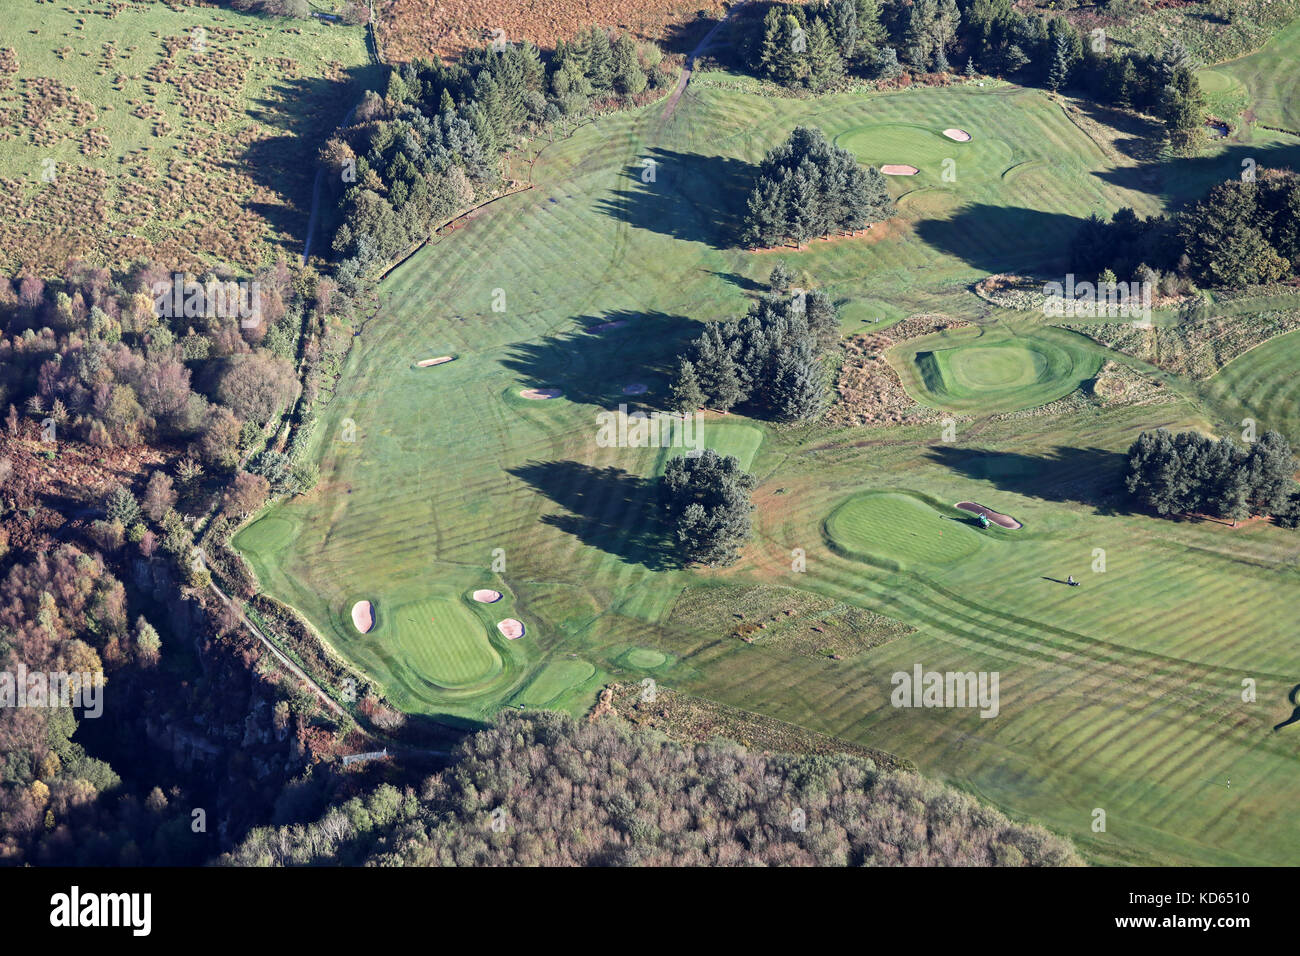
[1270, 77]
[227, 174]
[1122, 694]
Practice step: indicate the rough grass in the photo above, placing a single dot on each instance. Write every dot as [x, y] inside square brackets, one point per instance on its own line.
[1268, 76]
[183, 133]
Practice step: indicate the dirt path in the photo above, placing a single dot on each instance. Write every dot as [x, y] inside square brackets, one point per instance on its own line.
[687, 70]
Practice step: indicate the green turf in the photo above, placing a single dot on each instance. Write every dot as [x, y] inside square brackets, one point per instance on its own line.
[643, 658]
[440, 641]
[1269, 77]
[553, 680]
[1264, 385]
[900, 530]
[995, 369]
[1123, 694]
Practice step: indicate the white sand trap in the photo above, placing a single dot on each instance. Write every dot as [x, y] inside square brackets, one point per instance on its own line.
[363, 616]
[511, 629]
[897, 169]
[960, 135]
[541, 394]
[606, 326]
[487, 596]
[440, 360]
[636, 388]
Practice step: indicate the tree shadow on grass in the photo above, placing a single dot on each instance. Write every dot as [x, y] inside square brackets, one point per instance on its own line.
[1090, 476]
[609, 508]
[1179, 181]
[692, 197]
[593, 363]
[998, 239]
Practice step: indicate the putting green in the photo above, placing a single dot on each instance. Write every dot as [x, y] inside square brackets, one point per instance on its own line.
[643, 658]
[939, 159]
[901, 530]
[994, 370]
[441, 642]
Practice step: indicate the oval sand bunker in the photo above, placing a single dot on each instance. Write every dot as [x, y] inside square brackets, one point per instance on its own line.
[487, 596]
[541, 394]
[898, 169]
[363, 616]
[440, 360]
[511, 629]
[636, 388]
[1001, 520]
[960, 135]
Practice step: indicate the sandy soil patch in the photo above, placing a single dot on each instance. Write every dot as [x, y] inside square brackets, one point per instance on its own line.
[363, 616]
[487, 596]
[511, 629]
[960, 135]
[440, 360]
[898, 169]
[541, 394]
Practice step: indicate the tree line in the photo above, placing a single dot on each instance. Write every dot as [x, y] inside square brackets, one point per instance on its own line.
[1190, 473]
[615, 796]
[430, 147]
[819, 45]
[1242, 232]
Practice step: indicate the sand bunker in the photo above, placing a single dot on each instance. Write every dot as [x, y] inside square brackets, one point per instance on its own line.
[896, 169]
[960, 135]
[1001, 520]
[363, 616]
[636, 388]
[511, 629]
[435, 361]
[540, 394]
[487, 596]
[606, 326]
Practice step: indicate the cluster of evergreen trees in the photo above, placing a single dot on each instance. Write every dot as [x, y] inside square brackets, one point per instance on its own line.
[808, 187]
[769, 360]
[817, 45]
[706, 500]
[1241, 233]
[1189, 473]
[429, 147]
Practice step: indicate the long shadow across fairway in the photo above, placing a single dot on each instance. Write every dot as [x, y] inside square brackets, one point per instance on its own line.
[1183, 180]
[998, 238]
[690, 196]
[610, 509]
[1090, 476]
[591, 364]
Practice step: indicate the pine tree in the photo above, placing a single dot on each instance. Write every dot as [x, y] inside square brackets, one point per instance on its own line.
[887, 65]
[798, 390]
[825, 65]
[970, 68]
[687, 394]
[1059, 73]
